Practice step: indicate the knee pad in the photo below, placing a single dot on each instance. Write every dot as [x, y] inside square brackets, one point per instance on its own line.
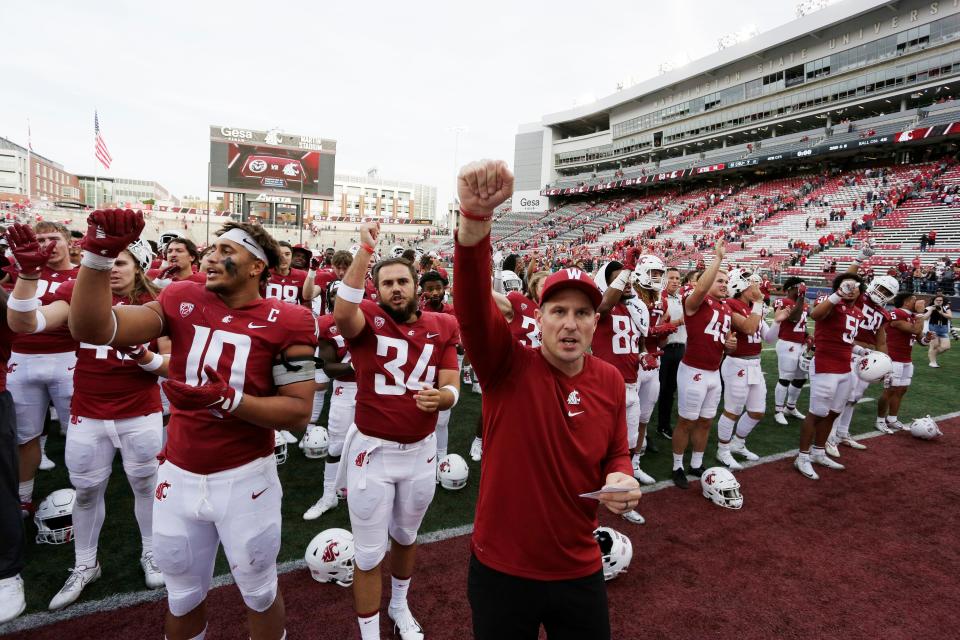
[142, 486]
[89, 496]
[784, 383]
[262, 550]
[174, 557]
[145, 445]
[261, 598]
[182, 601]
[798, 382]
[367, 558]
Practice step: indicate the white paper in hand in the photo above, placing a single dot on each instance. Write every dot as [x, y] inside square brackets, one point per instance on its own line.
[607, 489]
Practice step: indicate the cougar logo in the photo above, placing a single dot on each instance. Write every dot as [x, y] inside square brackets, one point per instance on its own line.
[162, 490]
[864, 363]
[573, 398]
[338, 391]
[710, 478]
[330, 552]
[697, 377]
[186, 308]
[740, 373]
[75, 420]
[362, 458]
[445, 466]
[11, 367]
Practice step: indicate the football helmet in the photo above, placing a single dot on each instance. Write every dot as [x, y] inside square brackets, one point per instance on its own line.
[511, 281]
[279, 447]
[165, 239]
[453, 472]
[739, 280]
[332, 289]
[54, 517]
[925, 429]
[883, 289]
[141, 252]
[330, 557]
[720, 487]
[806, 361]
[645, 273]
[616, 551]
[396, 251]
[316, 442]
[874, 366]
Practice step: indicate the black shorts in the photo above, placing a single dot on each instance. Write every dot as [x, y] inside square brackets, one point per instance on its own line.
[507, 607]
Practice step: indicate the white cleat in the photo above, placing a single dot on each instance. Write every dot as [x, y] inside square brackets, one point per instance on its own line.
[727, 460]
[324, 504]
[779, 418]
[73, 587]
[896, 426]
[288, 437]
[805, 468]
[831, 449]
[633, 517]
[46, 463]
[793, 413]
[476, 450]
[12, 600]
[151, 572]
[638, 473]
[827, 461]
[475, 387]
[886, 427]
[404, 624]
[853, 444]
[742, 451]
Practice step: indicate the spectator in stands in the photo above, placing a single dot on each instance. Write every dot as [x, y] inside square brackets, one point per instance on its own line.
[923, 243]
[940, 319]
[947, 280]
[917, 277]
[931, 239]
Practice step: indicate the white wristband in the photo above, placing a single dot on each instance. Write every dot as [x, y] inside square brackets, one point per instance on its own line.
[757, 308]
[456, 394]
[834, 298]
[99, 263]
[155, 363]
[41, 322]
[620, 282]
[350, 294]
[23, 305]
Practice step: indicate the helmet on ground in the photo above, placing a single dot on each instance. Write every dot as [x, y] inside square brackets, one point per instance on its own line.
[316, 442]
[925, 429]
[330, 557]
[883, 289]
[279, 447]
[721, 488]
[874, 366]
[646, 275]
[616, 551]
[54, 517]
[452, 470]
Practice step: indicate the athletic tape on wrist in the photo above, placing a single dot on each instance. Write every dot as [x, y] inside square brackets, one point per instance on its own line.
[155, 363]
[456, 394]
[41, 322]
[757, 308]
[24, 305]
[350, 294]
[834, 298]
[94, 261]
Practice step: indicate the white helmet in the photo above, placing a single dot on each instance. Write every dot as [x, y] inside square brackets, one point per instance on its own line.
[332, 290]
[54, 517]
[616, 551]
[874, 366]
[316, 443]
[511, 281]
[141, 252]
[883, 289]
[279, 447]
[806, 360]
[330, 557]
[396, 251]
[165, 239]
[925, 429]
[643, 274]
[721, 488]
[739, 280]
[453, 472]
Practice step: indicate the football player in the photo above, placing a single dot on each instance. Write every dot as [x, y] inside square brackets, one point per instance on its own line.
[707, 317]
[325, 281]
[906, 328]
[837, 320]
[182, 259]
[433, 284]
[791, 342]
[117, 406]
[286, 283]
[239, 366]
[406, 363]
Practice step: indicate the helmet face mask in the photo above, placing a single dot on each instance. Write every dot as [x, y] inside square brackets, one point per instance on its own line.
[649, 272]
[279, 448]
[511, 281]
[616, 551]
[883, 289]
[54, 517]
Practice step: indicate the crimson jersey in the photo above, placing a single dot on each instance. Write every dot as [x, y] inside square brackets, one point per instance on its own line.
[747, 345]
[242, 345]
[790, 331]
[288, 288]
[195, 276]
[707, 330]
[6, 339]
[328, 331]
[657, 310]
[524, 325]
[56, 340]
[874, 317]
[393, 362]
[900, 342]
[833, 337]
[322, 281]
[617, 341]
[108, 385]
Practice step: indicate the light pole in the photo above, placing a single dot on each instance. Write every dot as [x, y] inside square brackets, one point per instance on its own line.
[457, 130]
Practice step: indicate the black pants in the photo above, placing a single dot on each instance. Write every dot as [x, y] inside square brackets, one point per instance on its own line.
[669, 363]
[11, 523]
[506, 607]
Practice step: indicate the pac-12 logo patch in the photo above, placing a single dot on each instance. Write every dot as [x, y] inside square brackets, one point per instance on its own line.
[186, 308]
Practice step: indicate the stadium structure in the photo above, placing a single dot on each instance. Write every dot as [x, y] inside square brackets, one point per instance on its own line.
[850, 110]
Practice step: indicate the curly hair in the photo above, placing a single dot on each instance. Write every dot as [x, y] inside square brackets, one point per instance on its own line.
[262, 238]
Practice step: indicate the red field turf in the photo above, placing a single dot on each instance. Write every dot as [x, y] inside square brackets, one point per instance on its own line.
[870, 552]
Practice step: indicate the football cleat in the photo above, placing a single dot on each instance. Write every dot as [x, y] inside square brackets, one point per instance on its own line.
[476, 450]
[696, 471]
[805, 468]
[73, 587]
[794, 413]
[779, 418]
[826, 461]
[739, 447]
[831, 449]
[288, 437]
[46, 463]
[665, 433]
[12, 600]
[404, 624]
[640, 474]
[853, 444]
[324, 504]
[633, 517]
[680, 478]
[896, 426]
[726, 459]
[886, 427]
[151, 572]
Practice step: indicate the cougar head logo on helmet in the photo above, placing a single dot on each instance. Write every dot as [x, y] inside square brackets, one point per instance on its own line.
[330, 557]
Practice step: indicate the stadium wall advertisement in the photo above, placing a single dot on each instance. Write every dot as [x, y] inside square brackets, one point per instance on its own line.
[271, 162]
[528, 202]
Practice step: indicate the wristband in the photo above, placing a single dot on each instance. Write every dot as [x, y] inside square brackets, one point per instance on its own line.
[24, 305]
[369, 248]
[834, 298]
[21, 276]
[41, 322]
[155, 363]
[472, 216]
[456, 394]
[99, 263]
[620, 282]
[757, 308]
[350, 294]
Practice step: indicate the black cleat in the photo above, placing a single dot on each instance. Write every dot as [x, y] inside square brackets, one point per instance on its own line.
[680, 478]
[696, 471]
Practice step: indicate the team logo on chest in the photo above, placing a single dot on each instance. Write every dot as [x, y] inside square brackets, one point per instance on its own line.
[574, 398]
[378, 322]
[186, 308]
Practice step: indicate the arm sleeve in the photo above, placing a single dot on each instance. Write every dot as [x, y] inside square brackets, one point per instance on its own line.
[448, 359]
[618, 456]
[483, 329]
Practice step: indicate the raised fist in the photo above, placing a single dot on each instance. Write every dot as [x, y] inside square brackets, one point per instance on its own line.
[483, 186]
[866, 251]
[110, 231]
[848, 288]
[27, 253]
[369, 233]
[315, 263]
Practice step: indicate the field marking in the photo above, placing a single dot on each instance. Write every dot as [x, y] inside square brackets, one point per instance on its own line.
[123, 600]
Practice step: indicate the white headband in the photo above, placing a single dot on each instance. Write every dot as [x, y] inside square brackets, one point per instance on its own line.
[244, 239]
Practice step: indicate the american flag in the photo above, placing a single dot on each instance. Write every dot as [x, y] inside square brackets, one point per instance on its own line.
[100, 147]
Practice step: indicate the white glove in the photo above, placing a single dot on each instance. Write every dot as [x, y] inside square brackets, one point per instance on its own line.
[865, 252]
[848, 287]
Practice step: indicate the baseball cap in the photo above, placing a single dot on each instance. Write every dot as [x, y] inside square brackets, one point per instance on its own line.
[571, 278]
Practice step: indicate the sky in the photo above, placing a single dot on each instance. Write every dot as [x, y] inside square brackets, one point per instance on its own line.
[391, 82]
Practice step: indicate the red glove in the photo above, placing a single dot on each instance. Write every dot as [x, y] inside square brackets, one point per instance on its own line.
[30, 257]
[662, 330]
[650, 360]
[110, 231]
[214, 394]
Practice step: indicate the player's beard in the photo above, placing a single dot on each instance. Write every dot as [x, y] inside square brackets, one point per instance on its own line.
[402, 314]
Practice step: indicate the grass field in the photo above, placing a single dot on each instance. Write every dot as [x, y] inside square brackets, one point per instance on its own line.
[933, 392]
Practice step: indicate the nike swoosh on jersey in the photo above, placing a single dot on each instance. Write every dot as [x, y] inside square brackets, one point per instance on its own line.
[258, 494]
[574, 414]
[256, 326]
[432, 335]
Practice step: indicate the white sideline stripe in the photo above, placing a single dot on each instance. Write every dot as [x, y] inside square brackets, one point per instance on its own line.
[122, 600]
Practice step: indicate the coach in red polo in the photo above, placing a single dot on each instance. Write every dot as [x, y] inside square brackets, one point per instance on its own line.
[554, 427]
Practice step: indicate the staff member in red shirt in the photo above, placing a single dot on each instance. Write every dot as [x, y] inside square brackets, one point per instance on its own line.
[535, 560]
